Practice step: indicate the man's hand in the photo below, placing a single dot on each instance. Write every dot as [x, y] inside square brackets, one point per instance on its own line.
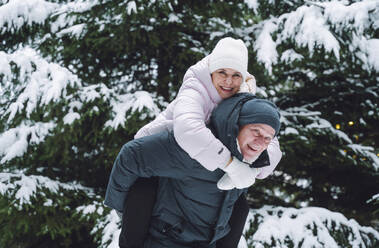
[238, 175]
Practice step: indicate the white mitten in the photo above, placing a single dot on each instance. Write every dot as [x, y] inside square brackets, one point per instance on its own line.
[225, 183]
[249, 86]
[238, 175]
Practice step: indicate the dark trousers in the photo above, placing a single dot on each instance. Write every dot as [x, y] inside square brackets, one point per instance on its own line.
[138, 208]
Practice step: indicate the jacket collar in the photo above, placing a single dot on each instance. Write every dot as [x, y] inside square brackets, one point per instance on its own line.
[203, 74]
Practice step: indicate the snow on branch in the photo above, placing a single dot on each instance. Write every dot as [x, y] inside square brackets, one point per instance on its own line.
[374, 198]
[265, 46]
[39, 81]
[137, 101]
[321, 25]
[305, 227]
[366, 151]
[131, 7]
[108, 230]
[252, 4]
[294, 120]
[17, 13]
[290, 56]
[64, 20]
[22, 188]
[356, 15]
[308, 28]
[14, 142]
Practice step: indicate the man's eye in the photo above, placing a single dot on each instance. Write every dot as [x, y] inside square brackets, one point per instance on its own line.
[267, 140]
[255, 132]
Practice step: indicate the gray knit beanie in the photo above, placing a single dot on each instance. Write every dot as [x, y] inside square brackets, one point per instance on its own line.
[260, 111]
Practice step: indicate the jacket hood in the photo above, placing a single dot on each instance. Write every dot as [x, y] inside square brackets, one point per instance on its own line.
[224, 125]
[201, 72]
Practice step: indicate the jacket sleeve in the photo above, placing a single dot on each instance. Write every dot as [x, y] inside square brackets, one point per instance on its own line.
[274, 154]
[191, 133]
[146, 157]
[159, 124]
[120, 180]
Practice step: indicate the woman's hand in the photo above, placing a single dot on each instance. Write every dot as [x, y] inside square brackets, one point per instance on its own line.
[238, 175]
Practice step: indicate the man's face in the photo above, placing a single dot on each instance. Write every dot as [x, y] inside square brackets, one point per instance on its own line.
[253, 139]
[226, 81]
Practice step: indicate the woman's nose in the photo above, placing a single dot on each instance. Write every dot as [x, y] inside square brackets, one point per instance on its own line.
[229, 80]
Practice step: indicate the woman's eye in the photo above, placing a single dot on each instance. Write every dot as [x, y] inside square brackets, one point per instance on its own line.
[236, 76]
[222, 73]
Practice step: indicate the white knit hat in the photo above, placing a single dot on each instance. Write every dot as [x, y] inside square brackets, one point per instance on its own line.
[229, 53]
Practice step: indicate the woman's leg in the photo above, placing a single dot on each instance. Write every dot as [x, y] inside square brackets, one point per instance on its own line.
[137, 212]
[237, 223]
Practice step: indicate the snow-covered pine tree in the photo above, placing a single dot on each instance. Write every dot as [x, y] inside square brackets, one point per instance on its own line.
[320, 58]
[321, 67]
[78, 78]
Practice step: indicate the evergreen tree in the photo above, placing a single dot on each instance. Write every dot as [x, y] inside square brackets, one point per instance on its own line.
[321, 55]
[79, 78]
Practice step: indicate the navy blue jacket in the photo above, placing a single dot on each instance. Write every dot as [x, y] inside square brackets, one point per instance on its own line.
[190, 209]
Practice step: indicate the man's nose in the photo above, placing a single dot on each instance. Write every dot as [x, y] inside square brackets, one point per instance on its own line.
[260, 141]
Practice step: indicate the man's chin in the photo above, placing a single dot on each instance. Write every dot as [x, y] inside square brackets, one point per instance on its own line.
[251, 158]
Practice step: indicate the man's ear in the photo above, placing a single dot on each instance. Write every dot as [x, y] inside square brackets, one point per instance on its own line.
[262, 161]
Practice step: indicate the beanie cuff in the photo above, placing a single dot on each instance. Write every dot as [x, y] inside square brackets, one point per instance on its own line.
[261, 119]
[223, 63]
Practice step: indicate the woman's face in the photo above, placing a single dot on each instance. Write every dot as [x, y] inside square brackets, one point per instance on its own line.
[226, 81]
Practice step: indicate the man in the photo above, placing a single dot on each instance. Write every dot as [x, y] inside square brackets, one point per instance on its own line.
[190, 210]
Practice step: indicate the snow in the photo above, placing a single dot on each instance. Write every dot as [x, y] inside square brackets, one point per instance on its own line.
[277, 224]
[290, 130]
[25, 187]
[307, 27]
[66, 23]
[252, 4]
[16, 13]
[368, 152]
[319, 25]
[355, 15]
[70, 118]
[93, 92]
[265, 46]
[41, 81]
[130, 102]
[174, 18]
[374, 198]
[131, 7]
[370, 53]
[75, 30]
[14, 141]
[111, 229]
[87, 209]
[290, 56]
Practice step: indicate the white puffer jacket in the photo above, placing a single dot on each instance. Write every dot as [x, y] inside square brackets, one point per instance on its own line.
[189, 113]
